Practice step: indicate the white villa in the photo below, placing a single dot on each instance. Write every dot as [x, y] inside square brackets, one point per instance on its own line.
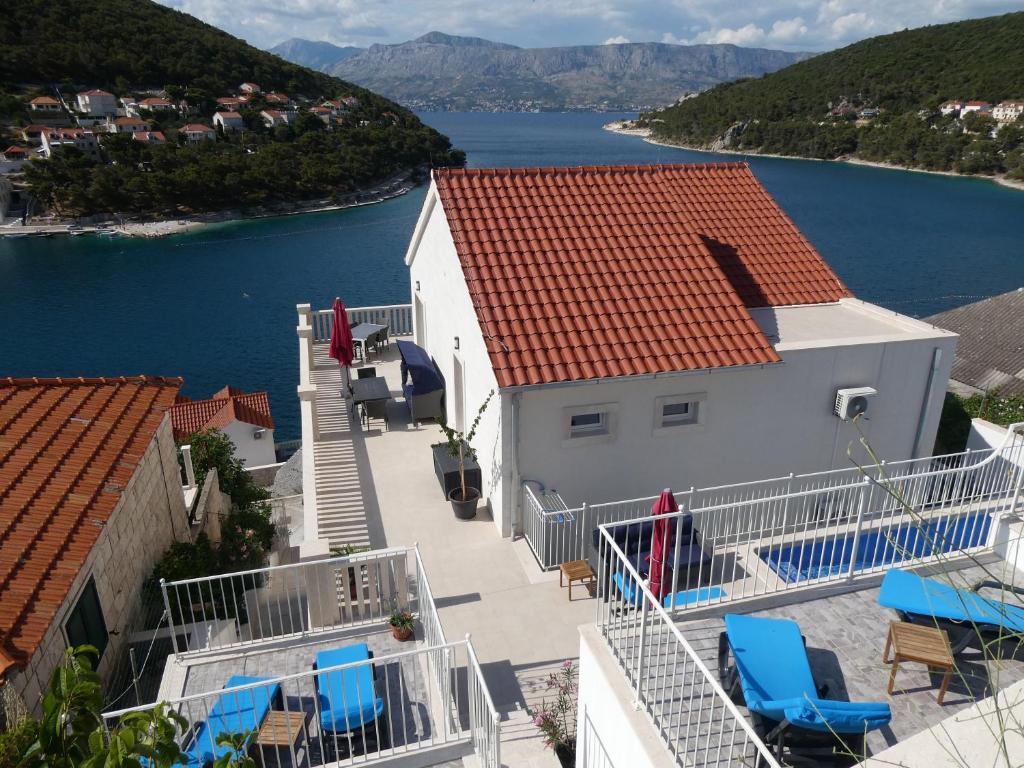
[196, 133]
[228, 121]
[1008, 111]
[97, 103]
[654, 326]
[82, 140]
[243, 416]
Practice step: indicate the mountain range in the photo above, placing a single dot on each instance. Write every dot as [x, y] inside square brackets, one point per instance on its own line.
[440, 71]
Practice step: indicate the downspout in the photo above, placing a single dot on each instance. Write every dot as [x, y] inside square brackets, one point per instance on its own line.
[517, 496]
[926, 406]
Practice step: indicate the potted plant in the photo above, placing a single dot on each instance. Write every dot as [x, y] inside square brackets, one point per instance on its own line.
[463, 498]
[557, 720]
[401, 624]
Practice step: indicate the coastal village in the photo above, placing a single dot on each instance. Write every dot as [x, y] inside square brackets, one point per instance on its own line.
[88, 119]
[602, 461]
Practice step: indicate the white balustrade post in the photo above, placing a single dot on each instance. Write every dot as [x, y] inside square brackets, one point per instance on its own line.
[321, 583]
[306, 360]
[307, 394]
[170, 617]
[190, 471]
[865, 494]
[643, 645]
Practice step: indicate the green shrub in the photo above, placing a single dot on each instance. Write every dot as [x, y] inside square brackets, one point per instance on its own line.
[16, 741]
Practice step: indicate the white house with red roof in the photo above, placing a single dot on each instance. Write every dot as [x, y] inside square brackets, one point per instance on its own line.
[249, 88]
[228, 121]
[45, 104]
[243, 416]
[127, 125]
[196, 133]
[1008, 111]
[156, 104]
[274, 117]
[150, 137]
[654, 326]
[79, 138]
[97, 103]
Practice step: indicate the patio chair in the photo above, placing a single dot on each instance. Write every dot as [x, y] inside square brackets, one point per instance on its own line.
[349, 707]
[366, 372]
[771, 670]
[376, 409]
[962, 613]
[234, 712]
[634, 539]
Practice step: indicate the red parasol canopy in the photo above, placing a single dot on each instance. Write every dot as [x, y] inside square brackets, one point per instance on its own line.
[661, 544]
[341, 336]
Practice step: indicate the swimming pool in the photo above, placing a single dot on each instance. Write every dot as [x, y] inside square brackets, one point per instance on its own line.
[884, 546]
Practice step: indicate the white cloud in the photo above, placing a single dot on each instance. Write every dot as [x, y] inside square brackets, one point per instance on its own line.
[790, 24]
[617, 40]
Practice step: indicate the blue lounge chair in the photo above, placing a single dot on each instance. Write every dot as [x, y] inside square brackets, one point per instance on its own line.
[963, 613]
[234, 712]
[349, 705]
[771, 669]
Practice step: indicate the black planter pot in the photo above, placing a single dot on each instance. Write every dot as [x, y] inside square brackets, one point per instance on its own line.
[566, 755]
[464, 509]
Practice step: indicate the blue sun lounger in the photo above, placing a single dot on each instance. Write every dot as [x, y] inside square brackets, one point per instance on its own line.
[771, 669]
[348, 700]
[234, 712]
[963, 613]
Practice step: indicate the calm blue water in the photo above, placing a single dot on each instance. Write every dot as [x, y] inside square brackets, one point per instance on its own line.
[895, 544]
[218, 306]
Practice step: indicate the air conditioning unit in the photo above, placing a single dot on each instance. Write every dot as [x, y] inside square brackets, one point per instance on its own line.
[258, 434]
[853, 401]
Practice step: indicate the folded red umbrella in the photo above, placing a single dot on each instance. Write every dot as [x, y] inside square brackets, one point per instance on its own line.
[662, 543]
[341, 336]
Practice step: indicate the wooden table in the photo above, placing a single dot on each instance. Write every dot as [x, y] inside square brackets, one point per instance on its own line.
[281, 730]
[924, 645]
[577, 570]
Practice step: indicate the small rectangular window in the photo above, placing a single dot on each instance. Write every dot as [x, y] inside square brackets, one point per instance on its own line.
[674, 414]
[587, 424]
[85, 625]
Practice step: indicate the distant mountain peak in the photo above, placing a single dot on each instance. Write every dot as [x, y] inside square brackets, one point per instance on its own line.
[442, 38]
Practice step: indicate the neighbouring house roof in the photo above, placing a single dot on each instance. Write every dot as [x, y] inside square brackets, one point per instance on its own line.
[14, 149]
[593, 272]
[68, 448]
[228, 405]
[229, 100]
[229, 115]
[197, 128]
[130, 121]
[977, 104]
[149, 136]
[44, 100]
[155, 101]
[95, 92]
[990, 352]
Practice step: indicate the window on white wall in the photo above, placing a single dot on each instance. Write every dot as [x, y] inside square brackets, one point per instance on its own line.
[590, 423]
[677, 411]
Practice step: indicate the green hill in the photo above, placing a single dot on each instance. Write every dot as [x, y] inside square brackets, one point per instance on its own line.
[133, 46]
[905, 75]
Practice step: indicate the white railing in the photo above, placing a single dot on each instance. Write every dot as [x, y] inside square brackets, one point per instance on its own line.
[778, 542]
[315, 712]
[397, 317]
[698, 722]
[297, 600]
[559, 534]
[309, 423]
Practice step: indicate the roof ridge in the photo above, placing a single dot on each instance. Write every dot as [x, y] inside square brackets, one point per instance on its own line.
[589, 169]
[18, 381]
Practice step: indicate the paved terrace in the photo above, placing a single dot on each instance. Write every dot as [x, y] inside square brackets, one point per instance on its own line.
[379, 487]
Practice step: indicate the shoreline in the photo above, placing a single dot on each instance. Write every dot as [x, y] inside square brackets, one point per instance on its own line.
[389, 190]
[645, 133]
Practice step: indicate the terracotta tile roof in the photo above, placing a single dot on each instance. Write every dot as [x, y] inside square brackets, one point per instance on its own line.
[149, 136]
[229, 115]
[95, 92]
[67, 449]
[583, 273]
[44, 100]
[130, 121]
[197, 128]
[227, 405]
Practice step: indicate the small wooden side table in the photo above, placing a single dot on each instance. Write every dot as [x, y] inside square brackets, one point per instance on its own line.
[577, 570]
[924, 645]
[281, 731]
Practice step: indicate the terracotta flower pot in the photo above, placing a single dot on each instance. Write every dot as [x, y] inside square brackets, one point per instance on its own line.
[401, 634]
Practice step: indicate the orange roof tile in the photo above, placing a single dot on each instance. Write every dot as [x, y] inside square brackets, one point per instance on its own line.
[67, 449]
[227, 405]
[584, 273]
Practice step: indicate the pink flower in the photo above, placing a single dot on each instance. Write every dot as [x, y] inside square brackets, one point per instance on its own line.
[539, 721]
[567, 664]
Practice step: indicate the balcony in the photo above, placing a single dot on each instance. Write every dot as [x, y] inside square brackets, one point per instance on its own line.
[248, 658]
[815, 551]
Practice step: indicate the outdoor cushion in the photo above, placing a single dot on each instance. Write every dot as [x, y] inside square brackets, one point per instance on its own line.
[235, 712]
[690, 556]
[693, 596]
[771, 661]
[419, 374]
[908, 592]
[835, 716]
[347, 697]
[636, 537]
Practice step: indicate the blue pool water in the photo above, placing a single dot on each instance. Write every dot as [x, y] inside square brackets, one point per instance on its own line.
[886, 546]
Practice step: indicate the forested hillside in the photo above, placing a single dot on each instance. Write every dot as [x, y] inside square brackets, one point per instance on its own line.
[816, 108]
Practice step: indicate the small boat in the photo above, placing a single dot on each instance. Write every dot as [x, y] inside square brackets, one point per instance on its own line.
[77, 232]
[16, 235]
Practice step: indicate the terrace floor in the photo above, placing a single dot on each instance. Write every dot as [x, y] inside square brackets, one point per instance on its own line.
[381, 485]
[845, 637]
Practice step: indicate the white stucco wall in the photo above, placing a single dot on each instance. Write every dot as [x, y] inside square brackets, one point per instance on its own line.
[252, 452]
[611, 733]
[448, 313]
[759, 422]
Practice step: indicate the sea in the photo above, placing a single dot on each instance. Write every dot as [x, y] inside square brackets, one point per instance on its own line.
[217, 305]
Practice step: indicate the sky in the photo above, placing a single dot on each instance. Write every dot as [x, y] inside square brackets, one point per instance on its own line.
[796, 25]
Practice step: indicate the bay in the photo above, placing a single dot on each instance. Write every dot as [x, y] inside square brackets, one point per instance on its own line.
[217, 305]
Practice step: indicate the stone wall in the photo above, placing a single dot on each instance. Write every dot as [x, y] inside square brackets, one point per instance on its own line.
[150, 515]
[211, 508]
